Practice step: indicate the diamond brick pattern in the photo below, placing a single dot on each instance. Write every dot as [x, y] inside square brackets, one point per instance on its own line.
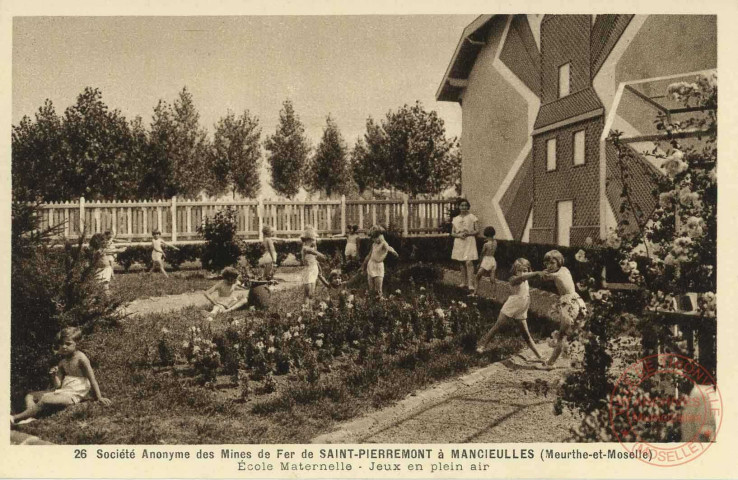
[564, 39]
[606, 32]
[641, 184]
[521, 55]
[568, 182]
[518, 199]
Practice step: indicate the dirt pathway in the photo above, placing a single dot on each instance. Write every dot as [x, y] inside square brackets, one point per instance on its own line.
[488, 405]
[171, 303]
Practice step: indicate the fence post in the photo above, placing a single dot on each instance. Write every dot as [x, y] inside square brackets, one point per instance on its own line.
[81, 214]
[174, 218]
[405, 215]
[260, 214]
[343, 214]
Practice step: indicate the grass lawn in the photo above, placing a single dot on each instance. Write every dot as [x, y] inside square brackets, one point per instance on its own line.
[155, 404]
[136, 285]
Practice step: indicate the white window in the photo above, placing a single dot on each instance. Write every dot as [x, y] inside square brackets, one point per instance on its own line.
[579, 147]
[550, 154]
[564, 80]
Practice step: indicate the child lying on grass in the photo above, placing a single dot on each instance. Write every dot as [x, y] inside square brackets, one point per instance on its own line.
[72, 379]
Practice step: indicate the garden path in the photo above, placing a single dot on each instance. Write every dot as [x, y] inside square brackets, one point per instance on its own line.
[485, 406]
[170, 303]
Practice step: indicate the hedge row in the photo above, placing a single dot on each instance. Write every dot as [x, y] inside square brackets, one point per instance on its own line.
[414, 249]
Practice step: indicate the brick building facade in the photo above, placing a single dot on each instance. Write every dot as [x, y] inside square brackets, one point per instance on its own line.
[570, 79]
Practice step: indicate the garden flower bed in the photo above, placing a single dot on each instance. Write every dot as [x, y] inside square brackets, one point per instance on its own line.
[281, 376]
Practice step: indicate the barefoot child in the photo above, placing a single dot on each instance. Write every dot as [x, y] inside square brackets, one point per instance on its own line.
[157, 254]
[228, 298]
[351, 251]
[374, 262]
[516, 306]
[72, 379]
[270, 251]
[488, 267]
[102, 259]
[310, 256]
[569, 307]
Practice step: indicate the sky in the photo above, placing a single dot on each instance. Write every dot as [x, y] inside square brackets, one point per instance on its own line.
[350, 67]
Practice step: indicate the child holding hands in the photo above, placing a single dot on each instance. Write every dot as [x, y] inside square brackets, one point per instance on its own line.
[570, 307]
[157, 253]
[374, 262]
[488, 266]
[72, 378]
[516, 306]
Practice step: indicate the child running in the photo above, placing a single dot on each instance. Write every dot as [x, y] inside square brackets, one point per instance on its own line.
[570, 307]
[228, 298]
[516, 306]
[72, 379]
[310, 256]
[157, 254]
[488, 266]
[374, 262]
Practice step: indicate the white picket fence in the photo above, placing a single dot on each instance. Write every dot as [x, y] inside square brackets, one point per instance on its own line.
[178, 219]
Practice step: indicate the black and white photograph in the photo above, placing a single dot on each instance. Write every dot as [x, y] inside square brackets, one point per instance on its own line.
[489, 232]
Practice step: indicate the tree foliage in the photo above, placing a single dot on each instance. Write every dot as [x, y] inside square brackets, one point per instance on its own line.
[409, 151]
[665, 254]
[189, 148]
[329, 168]
[288, 152]
[237, 155]
[90, 152]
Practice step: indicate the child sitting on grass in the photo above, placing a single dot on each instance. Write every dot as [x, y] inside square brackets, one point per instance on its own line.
[569, 307]
[228, 299]
[374, 262]
[72, 379]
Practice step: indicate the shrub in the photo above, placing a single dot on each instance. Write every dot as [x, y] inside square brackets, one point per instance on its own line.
[51, 288]
[221, 248]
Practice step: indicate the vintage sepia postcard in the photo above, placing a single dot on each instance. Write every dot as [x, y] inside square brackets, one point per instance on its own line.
[336, 240]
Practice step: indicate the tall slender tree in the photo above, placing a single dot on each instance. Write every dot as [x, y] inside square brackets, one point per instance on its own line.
[288, 152]
[237, 155]
[329, 168]
[189, 148]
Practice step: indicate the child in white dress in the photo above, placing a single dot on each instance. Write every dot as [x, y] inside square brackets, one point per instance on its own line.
[73, 379]
[464, 231]
[570, 307]
[516, 306]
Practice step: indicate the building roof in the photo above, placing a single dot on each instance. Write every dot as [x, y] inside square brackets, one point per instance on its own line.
[573, 105]
[471, 42]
